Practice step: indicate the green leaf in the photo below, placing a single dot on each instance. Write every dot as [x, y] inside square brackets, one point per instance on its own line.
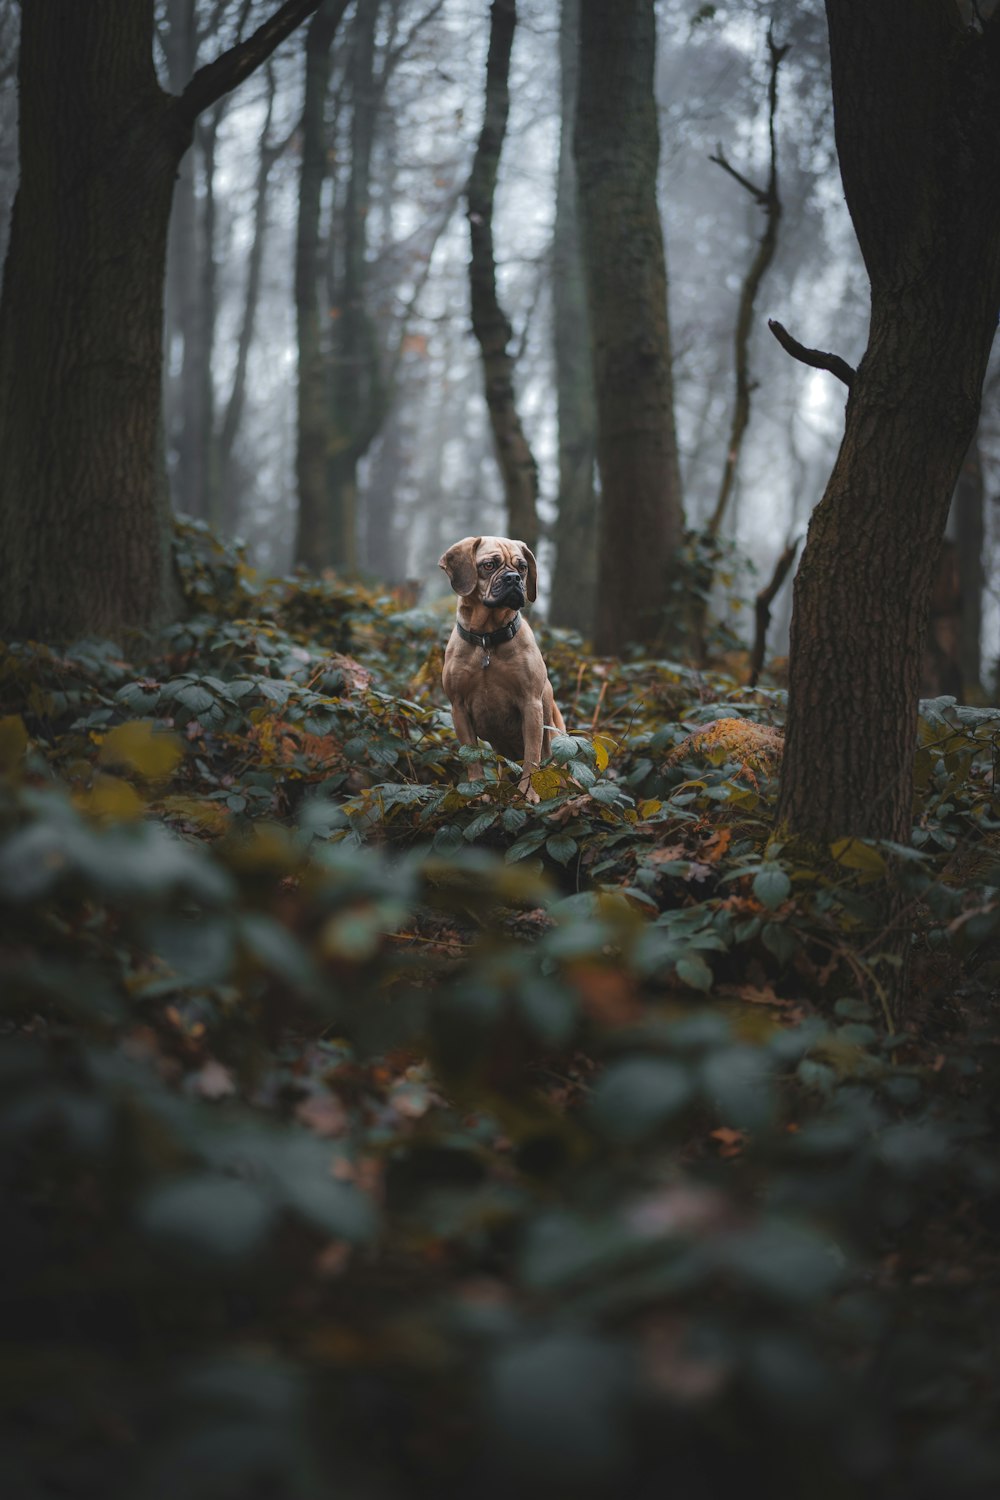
[772, 886]
[480, 824]
[784, 1262]
[694, 971]
[526, 844]
[561, 847]
[207, 1216]
[197, 700]
[780, 941]
[634, 1098]
[556, 1407]
[737, 1082]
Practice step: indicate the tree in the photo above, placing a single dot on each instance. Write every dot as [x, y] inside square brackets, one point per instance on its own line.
[617, 152]
[84, 517]
[916, 95]
[573, 580]
[314, 538]
[490, 323]
[349, 349]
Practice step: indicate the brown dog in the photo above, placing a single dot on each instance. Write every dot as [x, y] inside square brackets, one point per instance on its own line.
[494, 674]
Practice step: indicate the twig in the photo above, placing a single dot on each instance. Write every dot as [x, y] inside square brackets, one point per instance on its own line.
[762, 609]
[597, 710]
[817, 358]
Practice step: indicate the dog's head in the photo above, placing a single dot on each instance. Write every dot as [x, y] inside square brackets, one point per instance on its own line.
[492, 570]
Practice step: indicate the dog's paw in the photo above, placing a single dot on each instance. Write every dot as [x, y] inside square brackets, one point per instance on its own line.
[527, 790]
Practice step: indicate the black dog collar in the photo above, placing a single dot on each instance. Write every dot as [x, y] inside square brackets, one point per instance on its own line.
[485, 639]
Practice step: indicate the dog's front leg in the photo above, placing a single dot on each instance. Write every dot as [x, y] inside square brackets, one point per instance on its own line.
[467, 735]
[532, 725]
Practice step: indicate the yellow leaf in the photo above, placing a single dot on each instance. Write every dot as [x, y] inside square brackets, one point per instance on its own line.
[265, 848]
[149, 751]
[604, 748]
[212, 817]
[650, 806]
[548, 782]
[854, 855]
[13, 742]
[110, 797]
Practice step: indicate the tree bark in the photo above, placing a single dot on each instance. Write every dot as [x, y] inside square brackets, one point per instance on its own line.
[490, 323]
[917, 116]
[313, 537]
[574, 579]
[269, 153]
[617, 150]
[357, 394]
[84, 522]
[968, 503]
[84, 516]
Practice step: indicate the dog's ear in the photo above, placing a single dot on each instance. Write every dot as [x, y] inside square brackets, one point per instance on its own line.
[532, 588]
[459, 562]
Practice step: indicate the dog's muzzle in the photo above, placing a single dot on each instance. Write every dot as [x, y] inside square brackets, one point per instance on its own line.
[506, 591]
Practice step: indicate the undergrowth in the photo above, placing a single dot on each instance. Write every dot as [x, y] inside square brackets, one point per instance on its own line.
[373, 1131]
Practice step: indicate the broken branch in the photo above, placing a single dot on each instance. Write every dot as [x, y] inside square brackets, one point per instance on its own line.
[817, 358]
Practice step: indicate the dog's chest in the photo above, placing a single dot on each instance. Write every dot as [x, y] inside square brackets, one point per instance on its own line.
[496, 712]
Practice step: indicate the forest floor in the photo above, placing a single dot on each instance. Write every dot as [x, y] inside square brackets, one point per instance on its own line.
[371, 1131]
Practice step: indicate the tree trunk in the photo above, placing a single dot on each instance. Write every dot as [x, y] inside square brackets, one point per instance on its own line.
[357, 397]
[233, 415]
[84, 517]
[489, 321]
[968, 505]
[183, 283]
[84, 520]
[617, 151]
[917, 115]
[574, 579]
[313, 540]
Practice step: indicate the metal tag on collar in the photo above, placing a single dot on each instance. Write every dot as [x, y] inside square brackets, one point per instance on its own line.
[486, 655]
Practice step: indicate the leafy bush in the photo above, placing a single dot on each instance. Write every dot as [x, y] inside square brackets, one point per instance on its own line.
[370, 1127]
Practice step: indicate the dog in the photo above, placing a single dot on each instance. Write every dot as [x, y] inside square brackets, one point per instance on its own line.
[494, 674]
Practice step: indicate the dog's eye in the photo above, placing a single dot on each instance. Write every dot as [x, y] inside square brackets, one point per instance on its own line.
[488, 565]
[522, 566]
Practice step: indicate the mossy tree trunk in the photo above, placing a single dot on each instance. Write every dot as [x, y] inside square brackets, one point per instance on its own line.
[617, 153]
[84, 516]
[917, 115]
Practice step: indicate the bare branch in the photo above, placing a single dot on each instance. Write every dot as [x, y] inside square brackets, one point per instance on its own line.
[229, 70]
[720, 160]
[817, 358]
[769, 200]
[762, 608]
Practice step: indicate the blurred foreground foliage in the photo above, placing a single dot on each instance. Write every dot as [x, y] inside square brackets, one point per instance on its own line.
[371, 1132]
